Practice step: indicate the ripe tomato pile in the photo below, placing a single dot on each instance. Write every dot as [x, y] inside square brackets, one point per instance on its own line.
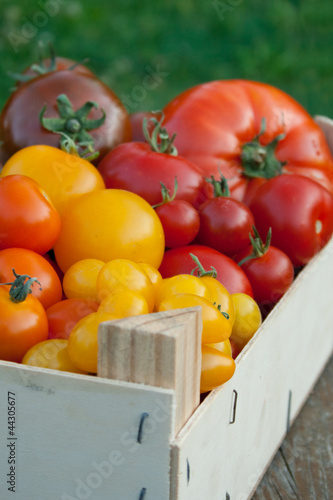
[223, 196]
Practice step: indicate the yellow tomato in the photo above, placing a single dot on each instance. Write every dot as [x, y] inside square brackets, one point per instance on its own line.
[80, 279]
[216, 368]
[52, 354]
[153, 274]
[215, 326]
[220, 297]
[182, 283]
[110, 224]
[224, 347]
[124, 303]
[123, 274]
[63, 176]
[83, 341]
[247, 321]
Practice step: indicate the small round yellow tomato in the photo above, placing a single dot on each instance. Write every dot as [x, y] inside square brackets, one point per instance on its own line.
[224, 347]
[248, 319]
[182, 283]
[124, 303]
[83, 341]
[110, 224]
[215, 326]
[63, 176]
[153, 274]
[80, 279]
[52, 354]
[216, 368]
[220, 297]
[123, 274]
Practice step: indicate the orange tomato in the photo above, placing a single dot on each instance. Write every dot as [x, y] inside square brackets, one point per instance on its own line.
[63, 176]
[28, 262]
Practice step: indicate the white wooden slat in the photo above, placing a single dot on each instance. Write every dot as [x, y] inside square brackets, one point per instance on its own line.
[77, 437]
[161, 349]
[285, 357]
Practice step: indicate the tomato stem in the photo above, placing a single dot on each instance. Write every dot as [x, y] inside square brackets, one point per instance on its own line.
[166, 198]
[258, 247]
[201, 270]
[259, 160]
[159, 139]
[221, 187]
[20, 288]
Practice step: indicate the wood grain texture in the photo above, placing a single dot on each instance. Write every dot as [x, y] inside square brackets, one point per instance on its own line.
[160, 349]
[76, 436]
[303, 467]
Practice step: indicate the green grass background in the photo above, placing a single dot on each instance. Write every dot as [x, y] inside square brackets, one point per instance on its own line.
[288, 44]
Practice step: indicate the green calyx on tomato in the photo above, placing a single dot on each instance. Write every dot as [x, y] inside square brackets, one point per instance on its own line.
[166, 198]
[159, 139]
[20, 288]
[221, 187]
[259, 248]
[201, 271]
[259, 160]
[73, 124]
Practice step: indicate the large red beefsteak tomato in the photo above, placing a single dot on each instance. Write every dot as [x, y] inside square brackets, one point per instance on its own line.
[249, 131]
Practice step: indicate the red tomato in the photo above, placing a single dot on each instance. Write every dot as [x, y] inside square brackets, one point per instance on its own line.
[180, 220]
[63, 316]
[225, 223]
[28, 218]
[136, 120]
[141, 168]
[25, 104]
[300, 213]
[31, 263]
[179, 261]
[218, 126]
[270, 271]
[46, 65]
[23, 322]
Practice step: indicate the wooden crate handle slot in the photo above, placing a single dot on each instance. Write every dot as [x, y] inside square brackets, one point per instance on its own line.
[159, 349]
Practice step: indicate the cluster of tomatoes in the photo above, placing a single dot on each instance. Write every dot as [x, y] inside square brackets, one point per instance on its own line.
[213, 202]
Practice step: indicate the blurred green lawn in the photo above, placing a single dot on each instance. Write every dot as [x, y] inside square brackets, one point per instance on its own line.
[288, 44]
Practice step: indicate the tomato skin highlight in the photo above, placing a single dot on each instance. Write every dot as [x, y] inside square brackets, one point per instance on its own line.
[216, 368]
[300, 213]
[28, 262]
[28, 219]
[22, 325]
[179, 261]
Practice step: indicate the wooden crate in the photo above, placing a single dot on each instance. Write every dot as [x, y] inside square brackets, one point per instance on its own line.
[78, 437]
